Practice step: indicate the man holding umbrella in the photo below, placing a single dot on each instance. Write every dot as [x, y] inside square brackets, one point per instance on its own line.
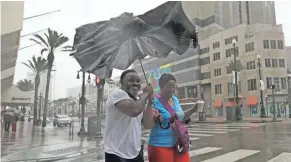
[125, 115]
[102, 46]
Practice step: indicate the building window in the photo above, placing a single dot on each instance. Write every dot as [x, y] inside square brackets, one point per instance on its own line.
[281, 63]
[252, 84]
[251, 65]
[204, 50]
[218, 89]
[216, 45]
[280, 44]
[229, 52]
[229, 40]
[205, 61]
[228, 70]
[216, 56]
[273, 44]
[274, 63]
[192, 92]
[283, 83]
[266, 44]
[249, 47]
[277, 83]
[267, 62]
[205, 75]
[269, 82]
[217, 72]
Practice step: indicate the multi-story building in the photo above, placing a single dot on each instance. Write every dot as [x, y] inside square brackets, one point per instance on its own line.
[288, 56]
[206, 71]
[42, 84]
[11, 26]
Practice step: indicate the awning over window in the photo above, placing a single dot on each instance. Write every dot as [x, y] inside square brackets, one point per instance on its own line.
[218, 103]
[252, 100]
[232, 102]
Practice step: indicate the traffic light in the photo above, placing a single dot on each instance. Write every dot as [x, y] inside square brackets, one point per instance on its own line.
[97, 81]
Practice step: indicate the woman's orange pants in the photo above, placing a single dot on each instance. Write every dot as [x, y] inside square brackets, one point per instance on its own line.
[166, 154]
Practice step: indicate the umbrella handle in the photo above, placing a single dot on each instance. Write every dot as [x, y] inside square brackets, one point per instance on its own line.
[143, 71]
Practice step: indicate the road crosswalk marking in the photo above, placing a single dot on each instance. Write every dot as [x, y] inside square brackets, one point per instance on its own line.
[206, 131]
[233, 156]
[200, 135]
[215, 129]
[228, 157]
[283, 157]
[204, 150]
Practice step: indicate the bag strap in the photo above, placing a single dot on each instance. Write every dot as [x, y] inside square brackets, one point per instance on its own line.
[167, 106]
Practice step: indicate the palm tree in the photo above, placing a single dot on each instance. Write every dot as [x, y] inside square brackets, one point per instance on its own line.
[37, 66]
[236, 67]
[52, 41]
[25, 85]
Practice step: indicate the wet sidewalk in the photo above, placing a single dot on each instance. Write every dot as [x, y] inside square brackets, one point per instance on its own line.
[34, 143]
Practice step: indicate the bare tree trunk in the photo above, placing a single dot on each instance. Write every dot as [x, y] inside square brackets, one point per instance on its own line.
[36, 82]
[50, 61]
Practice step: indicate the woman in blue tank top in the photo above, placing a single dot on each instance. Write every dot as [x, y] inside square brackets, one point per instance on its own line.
[162, 141]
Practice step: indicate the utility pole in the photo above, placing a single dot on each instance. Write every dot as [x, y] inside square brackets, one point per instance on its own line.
[273, 96]
[263, 113]
[100, 90]
[237, 109]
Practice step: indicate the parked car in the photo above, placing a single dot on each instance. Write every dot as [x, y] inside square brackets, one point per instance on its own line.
[30, 118]
[60, 120]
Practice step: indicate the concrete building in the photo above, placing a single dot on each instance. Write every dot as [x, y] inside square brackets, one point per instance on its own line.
[205, 70]
[42, 84]
[11, 26]
[211, 17]
[288, 56]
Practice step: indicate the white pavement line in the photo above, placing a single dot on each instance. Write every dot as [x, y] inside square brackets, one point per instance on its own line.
[215, 129]
[200, 135]
[283, 157]
[212, 132]
[192, 138]
[204, 150]
[233, 156]
[201, 151]
[228, 127]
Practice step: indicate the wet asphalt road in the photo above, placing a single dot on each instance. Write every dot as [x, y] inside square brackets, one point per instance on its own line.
[241, 142]
[265, 142]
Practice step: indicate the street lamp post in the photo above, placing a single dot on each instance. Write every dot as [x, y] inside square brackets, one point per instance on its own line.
[267, 106]
[273, 96]
[237, 110]
[82, 131]
[263, 113]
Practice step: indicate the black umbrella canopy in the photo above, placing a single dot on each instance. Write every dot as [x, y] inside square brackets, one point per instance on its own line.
[118, 42]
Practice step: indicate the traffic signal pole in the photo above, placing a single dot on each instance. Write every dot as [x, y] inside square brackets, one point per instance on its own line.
[100, 90]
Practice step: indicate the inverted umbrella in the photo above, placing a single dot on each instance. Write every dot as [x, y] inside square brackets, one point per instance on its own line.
[117, 43]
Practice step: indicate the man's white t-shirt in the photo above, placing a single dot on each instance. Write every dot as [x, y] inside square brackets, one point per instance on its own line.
[122, 135]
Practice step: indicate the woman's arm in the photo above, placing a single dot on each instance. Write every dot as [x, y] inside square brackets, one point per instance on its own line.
[150, 115]
[189, 112]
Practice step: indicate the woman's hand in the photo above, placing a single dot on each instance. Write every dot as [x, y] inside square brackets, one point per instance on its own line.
[157, 116]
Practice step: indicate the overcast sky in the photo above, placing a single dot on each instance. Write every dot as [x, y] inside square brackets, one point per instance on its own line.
[75, 13]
